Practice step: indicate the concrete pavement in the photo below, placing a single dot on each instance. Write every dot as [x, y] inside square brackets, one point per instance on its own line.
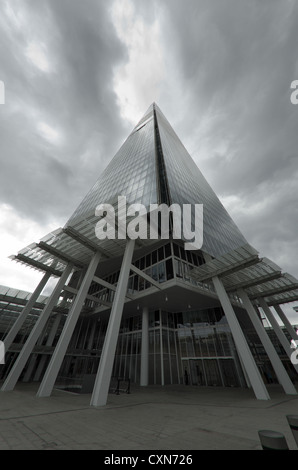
[151, 418]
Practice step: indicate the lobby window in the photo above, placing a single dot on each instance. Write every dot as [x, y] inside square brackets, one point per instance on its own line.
[154, 272]
[178, 268]
[168, 251]
[148, 261]
[161, 255]
[169, 269]
[161, 272]
[176, 250]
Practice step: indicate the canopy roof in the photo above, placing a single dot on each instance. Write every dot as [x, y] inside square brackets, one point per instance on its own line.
[260, 277]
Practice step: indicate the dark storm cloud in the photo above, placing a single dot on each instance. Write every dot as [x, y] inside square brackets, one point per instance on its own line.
[236, 63]
[42, 177]
[224, 86]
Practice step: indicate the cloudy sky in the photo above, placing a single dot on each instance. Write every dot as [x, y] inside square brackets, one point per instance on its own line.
[79, 75]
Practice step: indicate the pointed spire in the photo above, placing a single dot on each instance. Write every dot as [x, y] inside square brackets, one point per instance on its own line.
[153, 167]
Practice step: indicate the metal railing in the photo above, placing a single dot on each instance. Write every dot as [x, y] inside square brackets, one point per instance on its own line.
[120, 384]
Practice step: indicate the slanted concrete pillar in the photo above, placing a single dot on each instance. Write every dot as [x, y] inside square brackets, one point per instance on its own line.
[144, 379]
[8, 340]
[241, 343]
[286, 322]
[20, 363]
[103, 378]
[277, 329]
[277, 365]
[51, 373]
[162, 369]
[91, 335]
[34, 357]
[49, 342]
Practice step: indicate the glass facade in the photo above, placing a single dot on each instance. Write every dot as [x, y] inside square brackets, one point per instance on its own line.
[153, 167]
[202, 345]
[169, 261]
[188, 186]
[197, 340]
[207, 349]
[131, 173]
[193, 346]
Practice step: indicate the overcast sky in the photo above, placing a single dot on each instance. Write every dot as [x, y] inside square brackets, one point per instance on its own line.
[78, 76]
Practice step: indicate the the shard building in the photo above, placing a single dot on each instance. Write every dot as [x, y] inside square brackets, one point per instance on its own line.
[148, 311]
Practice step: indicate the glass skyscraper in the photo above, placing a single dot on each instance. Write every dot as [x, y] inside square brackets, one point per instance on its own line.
[148, 311]
[153, 167]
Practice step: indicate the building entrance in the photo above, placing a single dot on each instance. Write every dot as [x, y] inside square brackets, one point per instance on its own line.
[213, 372]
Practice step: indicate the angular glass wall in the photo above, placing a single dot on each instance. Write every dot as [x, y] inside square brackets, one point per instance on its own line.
[188, 186]
[207, 349]
[131, 173]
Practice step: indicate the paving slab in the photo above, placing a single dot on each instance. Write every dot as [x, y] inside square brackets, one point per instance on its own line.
[150, 418]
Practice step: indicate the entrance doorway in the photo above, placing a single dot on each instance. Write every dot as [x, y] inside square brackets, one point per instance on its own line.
[212, 372]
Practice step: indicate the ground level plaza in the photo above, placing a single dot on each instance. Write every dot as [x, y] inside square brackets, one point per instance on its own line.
[167, 418]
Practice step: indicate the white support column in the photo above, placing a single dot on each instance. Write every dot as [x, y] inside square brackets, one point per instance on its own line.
[49, 342]
[104, 373]
[241, 343]
[278, 331]
[33, 358]
[51, 373]
[91, 335]
[30, 368]
[20, 363]
[162, 369]
[286, 322]
[277, 365]
[144, 379]
[8, 340]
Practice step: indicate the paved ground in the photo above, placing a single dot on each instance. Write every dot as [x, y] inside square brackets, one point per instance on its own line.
[153, 418]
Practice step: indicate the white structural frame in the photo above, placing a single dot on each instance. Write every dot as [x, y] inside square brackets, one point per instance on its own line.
[50, 376]
[277, 329]
[103, 377]
[243, 349]
[49, 342]
[286, 322]
[277, 365]
[144, 376]
[27, 349]
[8, 340]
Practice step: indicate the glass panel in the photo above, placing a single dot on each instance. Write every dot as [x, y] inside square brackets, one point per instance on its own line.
[176, 250]
[155, 272]
[188, 186]
[229, 373]
[169, 269]
[168, 250]
[161, 272]
[161, 254]
[126, 175]
[212, 373]
[178, 268]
